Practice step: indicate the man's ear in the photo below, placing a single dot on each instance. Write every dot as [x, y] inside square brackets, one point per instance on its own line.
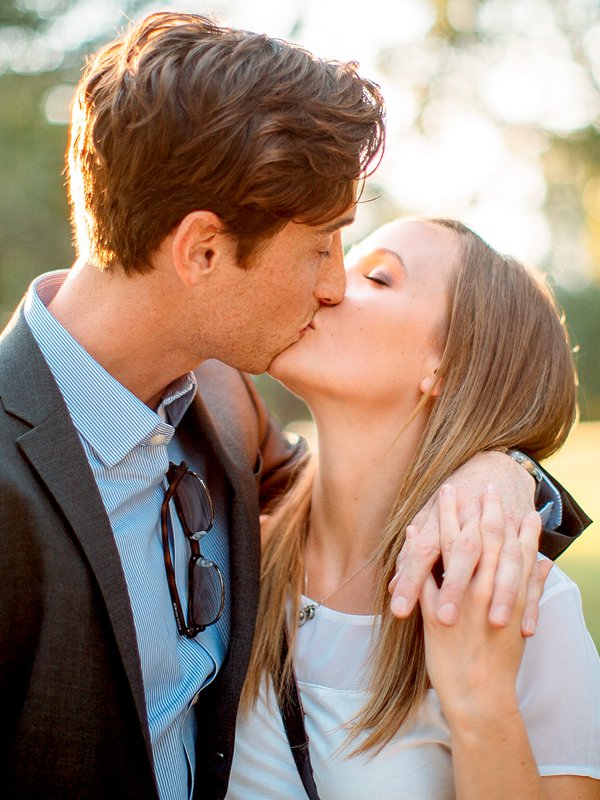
[198, 243]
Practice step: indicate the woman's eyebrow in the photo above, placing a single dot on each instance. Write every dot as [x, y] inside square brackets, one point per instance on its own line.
[393, 253]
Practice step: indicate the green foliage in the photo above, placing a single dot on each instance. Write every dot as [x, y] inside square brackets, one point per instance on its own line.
[18, 15]
[585, 575]
[583, 321]
[34, 228]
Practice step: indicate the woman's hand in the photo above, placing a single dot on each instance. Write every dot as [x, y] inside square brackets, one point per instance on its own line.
[473, 664]
[419, 555]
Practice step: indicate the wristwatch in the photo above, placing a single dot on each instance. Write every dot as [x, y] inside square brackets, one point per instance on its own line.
[527, 463]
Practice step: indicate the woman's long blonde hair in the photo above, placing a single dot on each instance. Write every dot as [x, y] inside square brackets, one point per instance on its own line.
[507, 379]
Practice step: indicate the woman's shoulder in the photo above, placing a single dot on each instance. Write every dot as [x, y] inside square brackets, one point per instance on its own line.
[559, 684]
[561, 631]
[558, 582]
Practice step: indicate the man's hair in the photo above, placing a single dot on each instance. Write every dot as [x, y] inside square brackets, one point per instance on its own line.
[180, 115]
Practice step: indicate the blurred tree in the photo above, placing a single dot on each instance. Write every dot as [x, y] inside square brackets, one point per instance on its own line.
[582, 311]
[493, 117]
[496, 121]
[34, 216]
[41, 56]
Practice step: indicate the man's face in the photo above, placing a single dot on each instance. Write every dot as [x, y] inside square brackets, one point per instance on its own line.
[271, 302]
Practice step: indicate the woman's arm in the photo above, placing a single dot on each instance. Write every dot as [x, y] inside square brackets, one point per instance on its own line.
[492, 759]
[573, 787]
[473, 666]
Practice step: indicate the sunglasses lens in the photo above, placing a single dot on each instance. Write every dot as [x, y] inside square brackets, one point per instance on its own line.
[195, 503]
[207, 592]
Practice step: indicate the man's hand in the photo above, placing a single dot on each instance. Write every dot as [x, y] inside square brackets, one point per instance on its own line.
[461, 554]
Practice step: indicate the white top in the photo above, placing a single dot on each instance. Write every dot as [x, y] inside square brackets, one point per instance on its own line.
[558, 688]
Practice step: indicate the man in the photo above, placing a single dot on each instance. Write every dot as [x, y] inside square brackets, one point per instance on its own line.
[210, 173]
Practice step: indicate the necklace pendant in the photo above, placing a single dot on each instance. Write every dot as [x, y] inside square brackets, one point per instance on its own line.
[306, 613]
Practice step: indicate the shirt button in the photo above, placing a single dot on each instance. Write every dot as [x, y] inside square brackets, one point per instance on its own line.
[158, 438]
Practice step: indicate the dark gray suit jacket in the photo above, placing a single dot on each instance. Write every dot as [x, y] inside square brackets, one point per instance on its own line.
[73, 717]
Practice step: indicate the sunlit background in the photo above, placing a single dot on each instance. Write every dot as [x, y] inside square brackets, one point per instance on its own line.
[493, 117]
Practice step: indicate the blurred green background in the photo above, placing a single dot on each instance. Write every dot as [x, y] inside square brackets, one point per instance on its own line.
[493, 117]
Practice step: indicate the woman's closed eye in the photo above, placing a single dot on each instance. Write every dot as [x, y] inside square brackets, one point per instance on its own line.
[381, 278]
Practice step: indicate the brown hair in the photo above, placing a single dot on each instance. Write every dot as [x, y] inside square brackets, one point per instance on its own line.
[507, 380]
[180, 115]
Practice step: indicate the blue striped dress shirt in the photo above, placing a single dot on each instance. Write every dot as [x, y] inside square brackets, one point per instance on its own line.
[129, 446]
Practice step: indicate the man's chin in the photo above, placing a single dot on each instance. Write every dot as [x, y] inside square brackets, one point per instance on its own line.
[260, 367]
[276, 367]
[278, 360]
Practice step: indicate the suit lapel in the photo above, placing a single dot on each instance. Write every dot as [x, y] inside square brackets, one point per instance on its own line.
[53, 450]
[206, 419]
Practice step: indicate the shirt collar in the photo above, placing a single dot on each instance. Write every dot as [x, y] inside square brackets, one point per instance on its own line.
[177, 398]
[105, 413]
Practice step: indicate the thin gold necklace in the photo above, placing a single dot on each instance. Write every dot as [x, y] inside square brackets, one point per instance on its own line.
[308, 610]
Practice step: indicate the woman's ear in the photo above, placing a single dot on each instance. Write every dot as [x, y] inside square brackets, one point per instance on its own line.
[431, 385]
[197, 242]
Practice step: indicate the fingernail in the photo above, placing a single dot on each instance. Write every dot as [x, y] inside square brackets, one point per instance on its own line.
[399, 606]
[529, 627]
[500, 615]
[447, 614]
[446, 490]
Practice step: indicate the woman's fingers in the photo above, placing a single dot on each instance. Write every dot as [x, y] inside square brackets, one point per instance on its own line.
[515, 563]
[461, 550]
[537, 574]
[493, 532]
[508, 580]
[533, 595]
[529, 537]
[411, 532]
[428, 598]
[414, 564]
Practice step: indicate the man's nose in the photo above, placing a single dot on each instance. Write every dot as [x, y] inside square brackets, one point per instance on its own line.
[332, 279]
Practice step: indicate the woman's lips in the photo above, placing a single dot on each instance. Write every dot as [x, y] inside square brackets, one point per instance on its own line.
[310, 326]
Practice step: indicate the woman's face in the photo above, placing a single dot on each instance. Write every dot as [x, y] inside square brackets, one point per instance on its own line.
[387, 335]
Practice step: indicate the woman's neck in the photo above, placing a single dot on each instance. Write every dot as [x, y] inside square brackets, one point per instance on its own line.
[361, 465]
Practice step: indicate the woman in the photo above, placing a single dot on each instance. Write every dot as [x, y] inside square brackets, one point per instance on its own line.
[441, 349]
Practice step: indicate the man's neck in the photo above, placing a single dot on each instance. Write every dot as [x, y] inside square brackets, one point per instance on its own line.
[127, 324]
